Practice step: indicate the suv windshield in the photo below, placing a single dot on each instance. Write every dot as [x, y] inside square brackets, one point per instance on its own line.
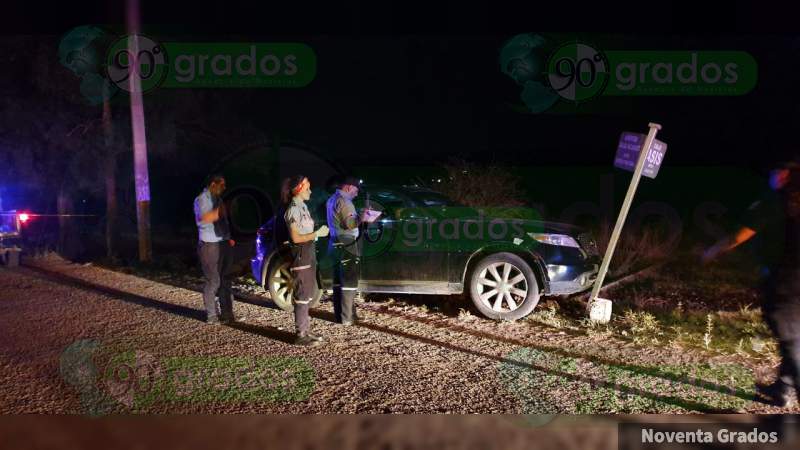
[433, 199]
[383, 197]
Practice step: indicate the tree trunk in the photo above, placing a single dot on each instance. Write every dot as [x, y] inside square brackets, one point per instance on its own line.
[65, 235]
[110, 176]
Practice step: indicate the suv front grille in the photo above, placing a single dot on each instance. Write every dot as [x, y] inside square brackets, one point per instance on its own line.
[588, 244]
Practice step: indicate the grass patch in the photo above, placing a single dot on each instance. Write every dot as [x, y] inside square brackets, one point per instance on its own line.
[685, 305]
[546, 383]
[549, 315]
[139, 380]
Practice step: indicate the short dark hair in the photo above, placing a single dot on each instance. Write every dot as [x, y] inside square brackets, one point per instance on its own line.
[214, 178]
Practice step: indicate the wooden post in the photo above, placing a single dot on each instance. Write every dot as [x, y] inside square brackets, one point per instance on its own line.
[141, 174]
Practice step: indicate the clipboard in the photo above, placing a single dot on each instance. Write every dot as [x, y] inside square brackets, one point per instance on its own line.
[371, 215]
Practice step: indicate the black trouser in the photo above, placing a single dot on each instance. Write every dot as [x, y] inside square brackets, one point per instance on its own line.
[346, 256]
[304, 274]
[782, 314]
[215, 259]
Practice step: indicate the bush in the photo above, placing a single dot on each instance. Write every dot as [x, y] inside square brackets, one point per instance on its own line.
[476, 185]
[636, 248]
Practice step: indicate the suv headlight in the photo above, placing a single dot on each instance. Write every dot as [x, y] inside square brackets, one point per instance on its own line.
[561, 240]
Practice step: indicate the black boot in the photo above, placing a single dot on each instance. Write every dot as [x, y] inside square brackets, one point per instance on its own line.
[776, 394]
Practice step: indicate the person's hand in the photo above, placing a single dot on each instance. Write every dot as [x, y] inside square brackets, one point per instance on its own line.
[231, 242]
[322, 231]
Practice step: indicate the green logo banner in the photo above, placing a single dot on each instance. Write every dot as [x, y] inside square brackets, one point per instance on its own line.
[689, 73]
[209, 64]
[280, 65]
[559, 73]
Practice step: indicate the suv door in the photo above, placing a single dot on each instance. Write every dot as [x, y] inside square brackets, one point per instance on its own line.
[417, 256]
[396, 250]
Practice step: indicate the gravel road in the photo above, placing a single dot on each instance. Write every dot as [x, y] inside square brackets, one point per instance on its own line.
[401, 359]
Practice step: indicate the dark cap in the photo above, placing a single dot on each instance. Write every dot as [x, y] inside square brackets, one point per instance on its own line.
[351, 180]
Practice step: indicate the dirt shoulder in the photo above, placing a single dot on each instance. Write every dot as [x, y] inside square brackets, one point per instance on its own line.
[404, 357]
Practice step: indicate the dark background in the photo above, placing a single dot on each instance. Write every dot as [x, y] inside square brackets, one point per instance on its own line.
[402, 85]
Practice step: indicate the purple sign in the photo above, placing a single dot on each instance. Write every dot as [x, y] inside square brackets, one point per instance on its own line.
[630, 145]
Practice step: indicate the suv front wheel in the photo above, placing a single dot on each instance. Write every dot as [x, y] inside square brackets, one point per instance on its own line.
[280, 284]
[503, 286]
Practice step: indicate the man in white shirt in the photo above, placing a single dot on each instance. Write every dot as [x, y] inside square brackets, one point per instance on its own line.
[214, 250]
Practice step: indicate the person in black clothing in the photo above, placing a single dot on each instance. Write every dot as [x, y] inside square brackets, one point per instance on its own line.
[345, 247]
[775, 222]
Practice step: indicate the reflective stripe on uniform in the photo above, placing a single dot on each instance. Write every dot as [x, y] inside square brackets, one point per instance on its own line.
[303, 302]
[344, 288]
[301, 267]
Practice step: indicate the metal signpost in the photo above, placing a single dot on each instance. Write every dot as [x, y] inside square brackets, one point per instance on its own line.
[643, 154]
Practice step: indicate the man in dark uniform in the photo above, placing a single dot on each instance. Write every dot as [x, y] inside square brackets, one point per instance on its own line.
[344, 247]
[775, 222]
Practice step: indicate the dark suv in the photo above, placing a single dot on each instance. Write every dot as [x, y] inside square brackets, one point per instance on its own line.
[424, 243]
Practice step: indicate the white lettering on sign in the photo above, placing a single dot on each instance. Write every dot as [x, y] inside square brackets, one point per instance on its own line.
[655, 158]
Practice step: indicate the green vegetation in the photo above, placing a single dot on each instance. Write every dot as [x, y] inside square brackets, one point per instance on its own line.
[713, 308]
[548, 383]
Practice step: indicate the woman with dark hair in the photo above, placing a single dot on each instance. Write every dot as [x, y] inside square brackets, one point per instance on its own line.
[295, 192]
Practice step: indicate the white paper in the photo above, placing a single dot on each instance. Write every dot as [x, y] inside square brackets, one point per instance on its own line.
[370, 215]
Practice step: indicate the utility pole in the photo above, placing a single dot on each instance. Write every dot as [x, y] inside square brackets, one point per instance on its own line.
[141, 174]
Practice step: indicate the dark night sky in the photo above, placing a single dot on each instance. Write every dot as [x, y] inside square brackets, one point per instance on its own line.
[397, 83]
[400, 85]
[422, 98]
